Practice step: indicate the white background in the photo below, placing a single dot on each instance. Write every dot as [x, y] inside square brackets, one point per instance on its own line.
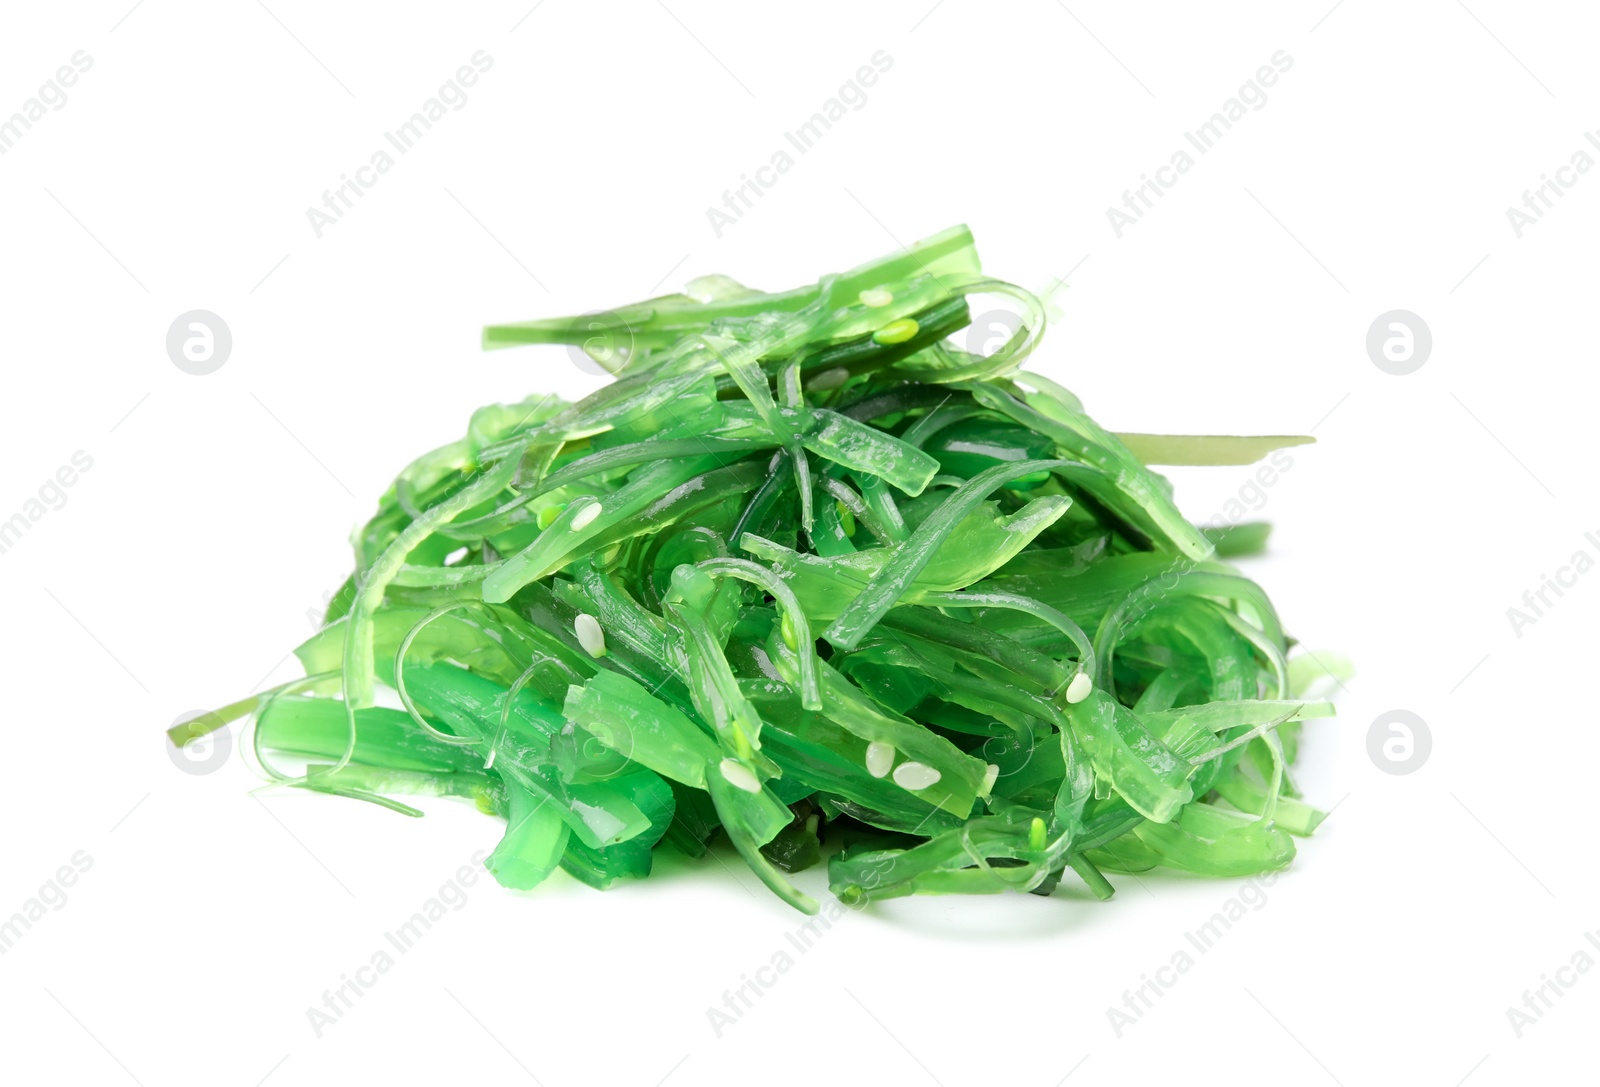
[182, 566]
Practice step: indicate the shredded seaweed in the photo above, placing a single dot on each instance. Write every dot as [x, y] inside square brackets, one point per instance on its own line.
[808, 572]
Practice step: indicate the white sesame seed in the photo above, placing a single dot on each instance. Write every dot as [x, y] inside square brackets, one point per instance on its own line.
[880, 758]
[991, 774]
[914, 776]
[590, 636]
[829, 379]
[739, 776]
[585, 517]
[876, 296]
[1079, 688]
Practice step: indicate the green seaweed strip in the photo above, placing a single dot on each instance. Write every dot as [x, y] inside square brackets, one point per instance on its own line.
[895, 577]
